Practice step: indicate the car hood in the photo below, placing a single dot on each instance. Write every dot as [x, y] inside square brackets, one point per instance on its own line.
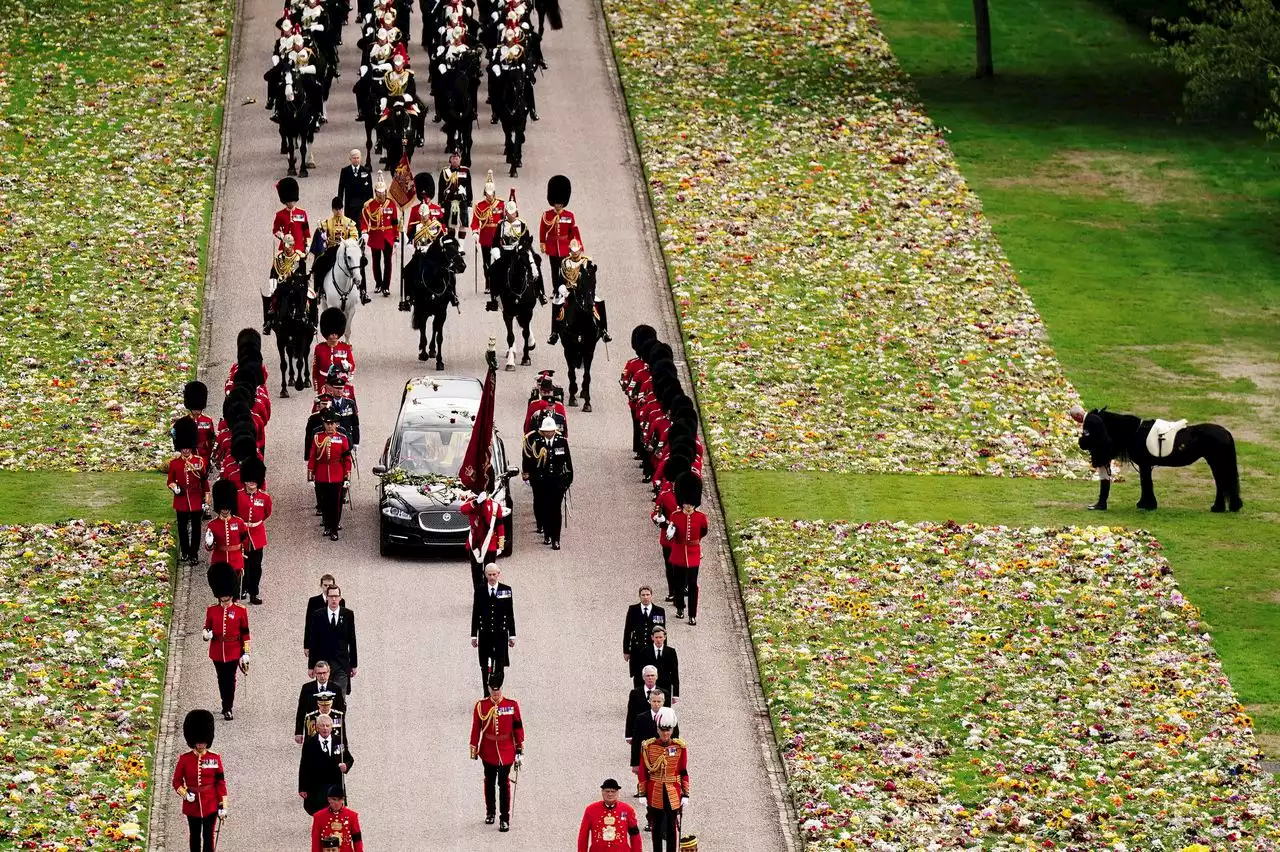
[419, 502]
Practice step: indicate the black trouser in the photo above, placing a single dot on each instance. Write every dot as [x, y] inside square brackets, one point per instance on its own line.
[663, 820]
[329, 499]
[189, 534]
[547, 509]
[323, 264]
[266, 309]
[227, 683]
[493, 659]
[382, 268]
[501, 775]
[340, 676]
[253, 572]
[637, 436]
[671, 573]
[477, 566]
[556, 277]
[201, 829]
[686, 584]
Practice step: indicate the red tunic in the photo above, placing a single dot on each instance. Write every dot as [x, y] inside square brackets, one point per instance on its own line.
[204, 437]
[434, 211]
[665, 506]
[192, 476]
[254, 511]
[229, 538]
[381, 221]
[326, 356]
[202, 775]
[557, 231]
[630, 373]
[330, 457]
[292, 222]
[497, 733]
[482, 519]
[686, 544]
[609, 829]
[486, 216]
[322, 825]
[534, 413]
[230, 626]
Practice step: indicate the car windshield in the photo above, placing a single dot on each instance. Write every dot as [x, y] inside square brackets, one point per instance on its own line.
[421, 449]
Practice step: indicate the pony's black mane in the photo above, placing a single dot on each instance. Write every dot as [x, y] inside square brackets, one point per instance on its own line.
[1121, 428]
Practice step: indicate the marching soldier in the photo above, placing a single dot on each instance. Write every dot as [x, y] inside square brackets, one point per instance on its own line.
[195, 398]
[455, 188]
[290, 219]
[547, 467]
[486, 216]
[309, 697]
[557, 227]
[331, 351]
[344, 404]
[336, 826]
[226, 629]
[547, 405]
[329, 467]
[188, 480]
[200, 781]
[664, 775]
[288, 262]
[332, 232]
[486, 536]
[493, 625]
[497, 739]
[685, 530]
[380, 224]
[253, 507]
[355, 186]
[227, 534]
[609, 825]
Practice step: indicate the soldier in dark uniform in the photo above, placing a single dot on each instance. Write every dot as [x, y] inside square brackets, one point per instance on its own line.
[493, 625]
[547, 467]
[308, 697]
[324, 707]
[455, 187]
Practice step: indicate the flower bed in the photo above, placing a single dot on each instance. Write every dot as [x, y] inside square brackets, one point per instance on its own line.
[844, 302]
[83, 624]
[109, 129]
[939, 686]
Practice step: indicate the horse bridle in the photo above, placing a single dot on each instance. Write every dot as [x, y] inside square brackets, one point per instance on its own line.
[351, 276]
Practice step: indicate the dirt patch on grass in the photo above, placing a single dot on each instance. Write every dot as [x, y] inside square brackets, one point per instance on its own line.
[1262, 370]
[1139, 178]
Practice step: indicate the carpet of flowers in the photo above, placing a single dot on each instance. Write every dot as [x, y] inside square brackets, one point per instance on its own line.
[943, 686]
[108, 135]
[845, 303]
[84, 615]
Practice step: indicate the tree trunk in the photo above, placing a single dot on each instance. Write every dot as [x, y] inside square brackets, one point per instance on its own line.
[982, 29]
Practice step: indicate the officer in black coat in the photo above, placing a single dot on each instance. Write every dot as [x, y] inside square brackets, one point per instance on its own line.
[493, 625]
[548, 467]
[637, 629]
[307, 702]
[325, 760]
[355, 186]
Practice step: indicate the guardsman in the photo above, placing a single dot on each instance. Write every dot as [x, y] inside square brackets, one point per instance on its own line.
[685, 530]
[557, 227]
[200, 781]
[633, 377]
[497, 739]
[226, 629]
[329, 467]
[254, 508]
[288, 262]
[337, 826]
[664, 777]
[195, 398]
[545, 403]
[455, 189]
[188, 480]
[486, 534]
[486, 216]
[290, 219]
[380, 224]
[332, 351]
[548, 468]
[609, 825]
[324, 707]
[331, 232]
[226, 535]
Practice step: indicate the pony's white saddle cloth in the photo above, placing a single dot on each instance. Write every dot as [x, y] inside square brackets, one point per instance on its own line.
[1163, 436]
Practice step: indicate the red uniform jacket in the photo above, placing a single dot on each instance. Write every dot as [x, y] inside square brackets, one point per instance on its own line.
[609, 829]
[330, 457]
[485, 218]
[203, 776]
[262, 396]
[537, 410]
[254, 511]
[326, 356]
[322, 825]
[483, 519]
[229, 539]
[192, 476]
[292, 222]
[204, 438]
[686, 544]
[434, 211]
[230, 626]
[664, 507]
[381, 221]
[630, 372]
[664, 772]
[556, 232]
[497, 733]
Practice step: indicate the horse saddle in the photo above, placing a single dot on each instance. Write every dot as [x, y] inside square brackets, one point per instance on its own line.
[1163, 437]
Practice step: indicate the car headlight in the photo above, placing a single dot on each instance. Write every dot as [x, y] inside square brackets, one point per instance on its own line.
[397, 513]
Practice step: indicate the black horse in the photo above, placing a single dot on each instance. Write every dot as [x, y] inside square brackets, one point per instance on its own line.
[513, 112]
[397, 134]
[515, 279]
[294, 322]
[579, 333]
[430, 284]
[1108, 435]
[456, 102]
[297, 123]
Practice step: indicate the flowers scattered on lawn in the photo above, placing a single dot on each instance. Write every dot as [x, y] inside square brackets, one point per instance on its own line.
[846, 305]
[84, 615]
[108, 135]
[944, 686]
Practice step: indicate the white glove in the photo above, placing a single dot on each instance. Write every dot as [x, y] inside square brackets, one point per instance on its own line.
[384, 67]
[684, 800]
[519, 759]
[176, 489]
[191, 795]
[317, 28]
[275, 60]
[408, 99]
[208, 538]
[497, 70]
[364, 69]
[660, 520]
[495, 253]
[441, 67]
[307, 69]
[208, 634]
[671, 531]
[346, 484]
[364, 240]
[244, 659]
[382, 104]
[222, 813]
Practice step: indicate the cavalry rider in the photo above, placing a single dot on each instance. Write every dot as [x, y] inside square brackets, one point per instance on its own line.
[319, 27]
[545, 405]
[426, 233]
[486, 216]
[308, 77]
[425, 189]
[332, 231]
[288, 263]
[455, 189]
[558, 227]
[290, 219]
[284, 53]
[331, 351]
[578, 271]
[376, 64]
[399, 84]
[380, 224]
[514, 238]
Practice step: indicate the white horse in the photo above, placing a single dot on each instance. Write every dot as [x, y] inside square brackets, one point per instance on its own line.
[341, 283]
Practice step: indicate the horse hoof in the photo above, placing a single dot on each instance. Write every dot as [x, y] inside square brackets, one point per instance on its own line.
[526, 361]
[1217, 507]
[510, 368]
[533, 344]
[422, 356]
[1235, 507]
[573, 401]
[1147, 507]
[431, 353]
[299, 385]
[439, 364]
[304, 173]
[512, 173]
[586, 407]
[293, 171]
[284, 393]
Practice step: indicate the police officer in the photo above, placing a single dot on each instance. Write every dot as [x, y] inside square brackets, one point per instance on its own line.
[548, 467]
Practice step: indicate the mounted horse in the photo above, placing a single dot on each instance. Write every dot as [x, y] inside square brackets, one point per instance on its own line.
[293, 318]
[1145, 444]
[512, 108]
[430, 284]
[339, 286]
[580, 327]
[396, 133]
[456, 102]
[515, 280]
[297, 119]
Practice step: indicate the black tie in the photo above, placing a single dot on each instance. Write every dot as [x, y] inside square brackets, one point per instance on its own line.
[646, 612]
[658, 655]
[326, 746]
[333, 619]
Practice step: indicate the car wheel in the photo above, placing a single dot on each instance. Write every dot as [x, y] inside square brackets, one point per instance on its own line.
[384, 543]
[508, 526]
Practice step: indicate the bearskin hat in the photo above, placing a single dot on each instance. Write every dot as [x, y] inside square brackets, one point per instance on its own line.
[641, 333]
[333, 320]
[185, 434]
[558, 190]
[662, 367]
[244, 443]
[248, 341]
[287, 189]
[425, 185]
[681, 405]
[249, 375]
[195, 396]
[238, 406]
[679, 462]
[253, 469]
[496, 680]
[224, 496]
[688, 489]
[223, 581]
[659, 352]
[198, 728]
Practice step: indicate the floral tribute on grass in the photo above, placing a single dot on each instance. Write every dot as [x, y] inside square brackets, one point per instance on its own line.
[943, 686]
[845, 304]
[108, 135]
[84, 616]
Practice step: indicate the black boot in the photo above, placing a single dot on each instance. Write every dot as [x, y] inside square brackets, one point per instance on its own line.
[1104, 491]
[266, 315]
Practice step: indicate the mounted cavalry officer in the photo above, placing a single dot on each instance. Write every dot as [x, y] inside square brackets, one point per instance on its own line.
[455, 191]
[486, 217]
[514, 238]
[288, 263]
[426, 209]
[380, 223]
[577, 271]
[399, 84]
[329, 236]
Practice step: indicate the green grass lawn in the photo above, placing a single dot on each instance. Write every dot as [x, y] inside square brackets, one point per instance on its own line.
[45, 497]
[1148, 247]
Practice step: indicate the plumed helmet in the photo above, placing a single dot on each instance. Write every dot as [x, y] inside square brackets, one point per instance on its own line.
[490, 188]
[425, 185]
[511, 209]
[641, 333]
[185, 434]
[286, 26]
[224, 496]
[666, 718]
[223, 581]
[548, 424]
[688, 489]
[287, 189]
[198, 728]
[248, 340]
[383, 34]
[332, 321]
[195, 396]
[558, 190]
[253, 469]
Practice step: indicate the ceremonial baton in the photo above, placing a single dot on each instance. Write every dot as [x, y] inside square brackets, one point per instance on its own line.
[475, 264]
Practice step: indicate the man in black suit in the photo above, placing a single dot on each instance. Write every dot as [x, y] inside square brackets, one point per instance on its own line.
[331, 636]
[493, 625]
[644, 726]
[317, 601]
[662, 657]
[307, 698]
[638, 701]
[355, 186]
[325, 760]
[636, 631]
